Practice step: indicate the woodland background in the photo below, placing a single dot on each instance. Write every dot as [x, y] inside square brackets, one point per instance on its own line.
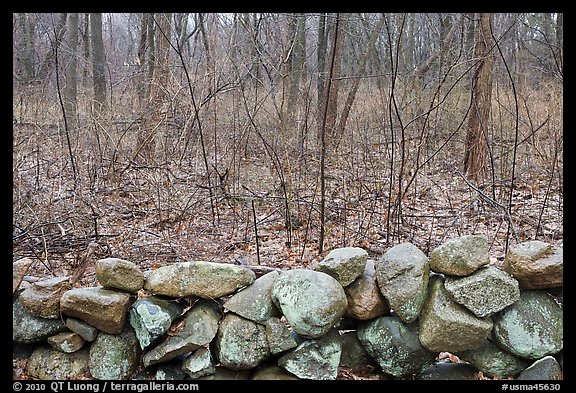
[272, 138]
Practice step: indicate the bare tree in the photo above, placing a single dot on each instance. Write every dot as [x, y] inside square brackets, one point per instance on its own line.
[476, 153]
[71, 89]
[98, 63]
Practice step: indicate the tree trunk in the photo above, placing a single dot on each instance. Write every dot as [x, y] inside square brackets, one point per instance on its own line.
[332, 106]
[71, 89]
[48, 62]
[297, 61]
[98, 63]
[476, 153]
[25, 44]
[560, 41]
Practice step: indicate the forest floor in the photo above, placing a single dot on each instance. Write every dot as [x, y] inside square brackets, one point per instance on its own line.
[154, 215]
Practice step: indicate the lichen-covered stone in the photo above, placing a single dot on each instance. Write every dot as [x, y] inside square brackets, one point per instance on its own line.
[151, 317]
[344, 264]
[255, 301]
[115, 356]
[311, 301]
[48, 364]
[484, 292]
[66, 342]
[402, 274]
[531, 328]
[102, 308]
[446, 326]
[240, 343]
[279, 336]
[42, 298]
[119, 274]
[460, 256]
[493, 361]
[198, 364]
[200, 325]
[365, 301]
[28, 329]
[395, 346]
[207, 280]
[535, 264]
[314, 359]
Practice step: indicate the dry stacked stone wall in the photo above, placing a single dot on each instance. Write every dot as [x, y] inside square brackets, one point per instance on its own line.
[402, 315]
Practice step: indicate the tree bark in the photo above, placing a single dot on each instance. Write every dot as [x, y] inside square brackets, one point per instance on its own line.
[476, 153]
[71, 89]
[98, 63]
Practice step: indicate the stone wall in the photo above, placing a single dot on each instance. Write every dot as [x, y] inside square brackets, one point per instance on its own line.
[405, 315]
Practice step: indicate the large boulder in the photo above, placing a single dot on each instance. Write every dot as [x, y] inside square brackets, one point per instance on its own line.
[535, 264]
[151, 317]
[28, 329]
[531, 328]
[119, 274]
[314, 359]
[493, 361]
[42, 298]
[240, 343]
[48, 364]
[207, 280]
[311, 301]
[395, 346]
[402, 274]
[102, 308]
[365, 301]
[199, 326]
[484, 292]
[115, 356]
[545, 369]
[446, 326]
[255, 302]
[460, 256]
[344, 264]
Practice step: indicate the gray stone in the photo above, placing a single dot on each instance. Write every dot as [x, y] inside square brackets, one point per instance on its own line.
[255, 301]
[151, 317]
[42, 298]
[402, 274]
[48, 364]
[365, 301]
[67, 342]
[28, 329]
[395, 346]
[200, 325]
[115, 356]
[535, 264]
[532, 327]
[199, 364]
[119, 274]
[224, 374]
[449, 372]
[545, 369]
[344, 264]
[273, 373]
[460, 256]
[493, 361]
[86, 331]
[279, 336]
[314, 359]
[446, 326]
[311, 301]
[207, 280]
[102, 308]
[484, 292]
[240, 343]
[19, 270]
[354, 355]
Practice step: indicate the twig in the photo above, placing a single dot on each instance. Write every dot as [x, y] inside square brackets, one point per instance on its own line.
[256, 231]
